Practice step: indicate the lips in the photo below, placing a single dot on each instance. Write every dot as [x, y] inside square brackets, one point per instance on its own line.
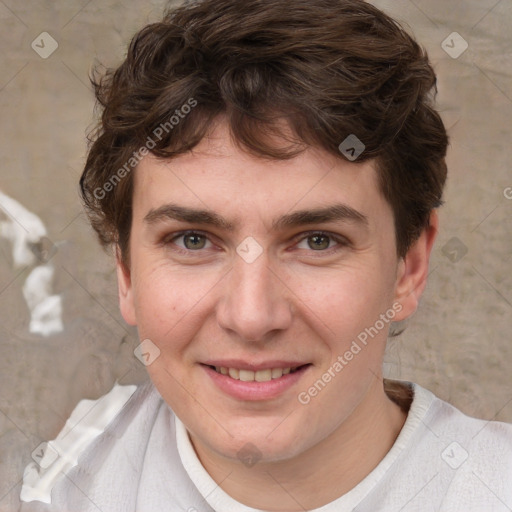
[245, 381]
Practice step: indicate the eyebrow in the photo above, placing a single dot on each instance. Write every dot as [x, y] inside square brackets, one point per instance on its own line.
[333, 213]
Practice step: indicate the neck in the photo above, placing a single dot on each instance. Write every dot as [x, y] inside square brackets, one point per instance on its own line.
[323, 473]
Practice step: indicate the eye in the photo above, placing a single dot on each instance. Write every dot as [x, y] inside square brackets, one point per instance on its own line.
[321, 242]
[190, 241]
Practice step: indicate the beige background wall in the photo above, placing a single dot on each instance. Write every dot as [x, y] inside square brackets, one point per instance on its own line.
[458, 344]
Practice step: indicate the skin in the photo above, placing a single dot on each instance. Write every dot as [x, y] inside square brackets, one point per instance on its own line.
[294, 301]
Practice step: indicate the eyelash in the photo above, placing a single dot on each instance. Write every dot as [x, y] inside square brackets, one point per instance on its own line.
[341, 241]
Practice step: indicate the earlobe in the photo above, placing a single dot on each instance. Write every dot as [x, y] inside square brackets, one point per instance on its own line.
[125, 290]
[413, 269]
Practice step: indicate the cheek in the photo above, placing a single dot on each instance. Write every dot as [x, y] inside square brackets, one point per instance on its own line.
[169, 300]
[345, 299]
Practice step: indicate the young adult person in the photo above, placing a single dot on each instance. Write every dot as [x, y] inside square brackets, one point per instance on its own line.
[268, 173]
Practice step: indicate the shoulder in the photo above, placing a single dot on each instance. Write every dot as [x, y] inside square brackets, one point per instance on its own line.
[89, 439]
[474, 432]
[474, 455]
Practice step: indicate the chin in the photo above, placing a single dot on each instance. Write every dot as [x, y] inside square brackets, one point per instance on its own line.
[251, 448]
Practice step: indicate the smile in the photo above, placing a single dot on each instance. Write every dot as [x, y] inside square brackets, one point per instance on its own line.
[265, 381]
[254, 376]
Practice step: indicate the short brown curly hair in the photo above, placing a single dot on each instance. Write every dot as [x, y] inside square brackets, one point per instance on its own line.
[329, 68]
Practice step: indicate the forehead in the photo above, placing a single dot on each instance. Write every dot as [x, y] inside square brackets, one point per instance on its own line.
[218, 176]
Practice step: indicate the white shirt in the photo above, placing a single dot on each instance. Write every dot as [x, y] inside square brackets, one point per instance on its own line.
[442, 460]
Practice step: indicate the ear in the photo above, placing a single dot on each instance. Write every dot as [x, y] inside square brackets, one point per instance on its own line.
[125, 289]
[412, 270]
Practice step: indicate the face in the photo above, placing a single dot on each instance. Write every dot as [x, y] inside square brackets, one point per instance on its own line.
[226, 276]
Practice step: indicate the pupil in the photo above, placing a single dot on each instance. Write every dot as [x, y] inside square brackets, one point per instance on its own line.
[194, 242]
[320, 242]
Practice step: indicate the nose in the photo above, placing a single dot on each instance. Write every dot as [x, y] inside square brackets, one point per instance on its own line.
[255, 302]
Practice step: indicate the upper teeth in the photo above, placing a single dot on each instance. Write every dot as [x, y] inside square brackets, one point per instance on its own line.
[249, 375]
